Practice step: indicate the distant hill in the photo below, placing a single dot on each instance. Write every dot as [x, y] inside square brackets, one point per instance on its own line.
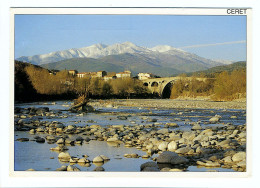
[165, 64]
[218, 69]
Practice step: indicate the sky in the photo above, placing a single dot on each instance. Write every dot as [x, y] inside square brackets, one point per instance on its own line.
[213, 37]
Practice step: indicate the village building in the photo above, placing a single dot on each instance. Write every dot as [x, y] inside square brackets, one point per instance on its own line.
[73, 72]
[125, 74]
[106, 78]
[99, 74]
[144, 76]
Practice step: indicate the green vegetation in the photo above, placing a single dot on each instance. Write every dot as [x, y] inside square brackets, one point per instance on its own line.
[218, 69]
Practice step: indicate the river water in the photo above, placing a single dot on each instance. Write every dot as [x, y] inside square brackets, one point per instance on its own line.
[38, 156]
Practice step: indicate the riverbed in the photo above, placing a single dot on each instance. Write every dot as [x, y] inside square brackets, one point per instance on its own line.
[131, 125]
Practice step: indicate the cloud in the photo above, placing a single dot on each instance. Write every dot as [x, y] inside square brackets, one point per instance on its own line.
[215, 44]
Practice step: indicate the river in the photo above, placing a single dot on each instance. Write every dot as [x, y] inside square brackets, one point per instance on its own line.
[38, 156]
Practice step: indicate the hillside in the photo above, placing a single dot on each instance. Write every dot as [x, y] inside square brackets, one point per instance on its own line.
[218, 69]
[160, 64]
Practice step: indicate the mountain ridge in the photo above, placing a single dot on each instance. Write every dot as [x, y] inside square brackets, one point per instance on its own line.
[101, 50]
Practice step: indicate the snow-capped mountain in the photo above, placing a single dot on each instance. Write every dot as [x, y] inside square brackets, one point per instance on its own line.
[162, 59]
[94, 51]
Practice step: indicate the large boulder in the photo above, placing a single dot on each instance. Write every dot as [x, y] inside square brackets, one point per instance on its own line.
[99, 168]
[98, 159]
[240, 156]
[113, 139]
[149, 166]
[169, 157]
[72, 168]
[163, 146]
[189, 135]
[183, 150]
[172, 146]
[64, 157]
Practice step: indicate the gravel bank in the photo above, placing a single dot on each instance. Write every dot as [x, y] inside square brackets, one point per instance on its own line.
[173, 103]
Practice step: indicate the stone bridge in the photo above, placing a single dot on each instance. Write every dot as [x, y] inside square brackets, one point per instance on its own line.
[162, 86]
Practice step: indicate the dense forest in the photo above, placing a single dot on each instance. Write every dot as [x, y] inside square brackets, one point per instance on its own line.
[36, 83]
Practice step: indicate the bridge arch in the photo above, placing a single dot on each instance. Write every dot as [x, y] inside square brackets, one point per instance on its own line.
[166, 91]
[163, 86]
[154, 84]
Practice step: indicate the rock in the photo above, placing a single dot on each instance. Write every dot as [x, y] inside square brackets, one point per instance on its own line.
[22, 139]
[163, 146]
[212, 164]
[72, 168]
[175, 170]
[74, 159]
[149, 166]
[179, 160]
[166, 169]
[64, 157]
[32, 131]
[189, 135]
[60, 141]
[98, 159]
[95, 126]
[183, 150]
[172, 124]
[70, 127]
[50, 138]
[152, 120]
[99, 168]
[113, 139]
[163, 131]
[40, 129]
[214, 119]
[242, 164]
[105, 158]
[83, 160]
[172, 146]
[196, 127]
[122, 117]
[40, 140]
[30, 169]
[169, 157]
[224, 142]
[201, 138]
[145, 156]
[79, 138]
[62, 168]
[227, 159]
[59, 148]
[240, 156]
[120, 127]
[69, 141]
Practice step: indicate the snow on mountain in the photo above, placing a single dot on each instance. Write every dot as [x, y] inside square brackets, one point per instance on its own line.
[102, 50]
[165, 48]
[226, 62]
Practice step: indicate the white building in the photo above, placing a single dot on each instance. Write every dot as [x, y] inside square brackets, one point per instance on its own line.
[125, 74]
[144, 76]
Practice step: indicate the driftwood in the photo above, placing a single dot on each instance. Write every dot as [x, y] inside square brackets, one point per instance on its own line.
[80, 104]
